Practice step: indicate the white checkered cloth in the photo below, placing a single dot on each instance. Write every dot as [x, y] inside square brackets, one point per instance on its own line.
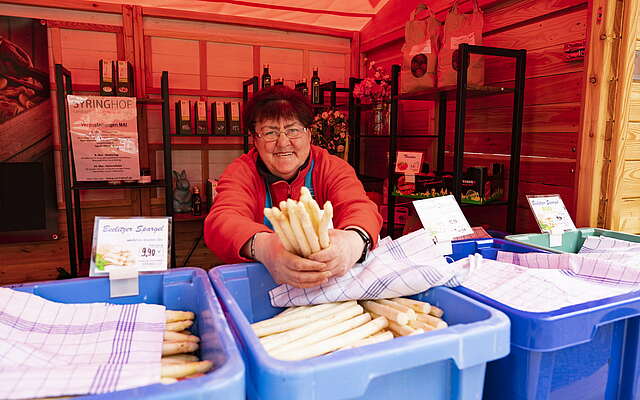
[54, 349]
[402, 267]
[601, 259]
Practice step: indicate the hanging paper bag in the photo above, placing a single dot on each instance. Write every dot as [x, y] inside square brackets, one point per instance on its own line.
[419, 52]
[461, 28]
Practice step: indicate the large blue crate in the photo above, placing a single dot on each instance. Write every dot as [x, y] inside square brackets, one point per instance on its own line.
[444, 364]
[187, 289]
[586, 351]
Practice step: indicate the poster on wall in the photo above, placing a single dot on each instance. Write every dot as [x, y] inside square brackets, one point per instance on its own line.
[28, 207]
[104, 137]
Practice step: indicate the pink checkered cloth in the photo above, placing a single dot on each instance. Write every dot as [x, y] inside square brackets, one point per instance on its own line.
[53, 349]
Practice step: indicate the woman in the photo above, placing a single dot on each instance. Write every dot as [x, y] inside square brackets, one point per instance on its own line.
[283, 161]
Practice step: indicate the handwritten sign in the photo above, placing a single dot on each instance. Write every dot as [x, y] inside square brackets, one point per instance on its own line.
[551, 214]
[104, 136]
[142, 243]
[442, 217]
[409, 162]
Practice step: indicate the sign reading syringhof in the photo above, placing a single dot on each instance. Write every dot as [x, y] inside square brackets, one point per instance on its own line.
[104, 136]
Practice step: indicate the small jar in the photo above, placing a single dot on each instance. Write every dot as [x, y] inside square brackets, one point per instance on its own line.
[145, 175]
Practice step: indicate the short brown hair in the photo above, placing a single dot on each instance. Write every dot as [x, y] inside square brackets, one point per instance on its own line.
[275, 103]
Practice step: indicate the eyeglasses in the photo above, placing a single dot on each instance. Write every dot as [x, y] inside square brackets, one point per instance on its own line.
[271, 135]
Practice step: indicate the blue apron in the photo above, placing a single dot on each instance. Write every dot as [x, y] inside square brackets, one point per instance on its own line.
[268, 203]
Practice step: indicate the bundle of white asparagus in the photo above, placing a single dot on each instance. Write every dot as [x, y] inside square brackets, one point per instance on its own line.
[301, 227]
[309, 331]
[177, 346]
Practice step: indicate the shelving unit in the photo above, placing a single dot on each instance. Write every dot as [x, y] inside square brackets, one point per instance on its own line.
[72, 187]
[442, 96]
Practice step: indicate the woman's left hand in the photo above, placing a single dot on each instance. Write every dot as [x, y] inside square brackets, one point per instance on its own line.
[343, 252]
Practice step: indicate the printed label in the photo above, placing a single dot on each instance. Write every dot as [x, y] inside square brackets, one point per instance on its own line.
[457, 40]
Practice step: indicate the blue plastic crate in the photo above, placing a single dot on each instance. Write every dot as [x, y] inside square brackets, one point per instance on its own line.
[586, 351]
[187, 289]
[444, 364]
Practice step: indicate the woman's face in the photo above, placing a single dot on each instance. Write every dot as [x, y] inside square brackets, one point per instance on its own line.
[284, 155]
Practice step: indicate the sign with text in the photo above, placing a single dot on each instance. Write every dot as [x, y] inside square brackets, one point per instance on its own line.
[104, 136]
[409, 162]
[142, 243]
[442, 217]
[551, 214]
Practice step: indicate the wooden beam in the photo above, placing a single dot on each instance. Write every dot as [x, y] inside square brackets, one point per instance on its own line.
[94, 6]
[600, 59]
[245, 21]
[355, 56]
[622, 174]
[83, 26]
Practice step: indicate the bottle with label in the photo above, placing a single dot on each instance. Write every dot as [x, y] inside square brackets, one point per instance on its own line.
[315, 87]
[266, 76]
[304, 87]
[196, 201]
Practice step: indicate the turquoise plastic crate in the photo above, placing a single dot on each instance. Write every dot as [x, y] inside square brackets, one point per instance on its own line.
[571, 241]
[187, 289]
[444, 364]
[585, 351]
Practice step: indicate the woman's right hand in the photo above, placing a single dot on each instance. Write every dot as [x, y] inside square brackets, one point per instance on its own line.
[286, 267]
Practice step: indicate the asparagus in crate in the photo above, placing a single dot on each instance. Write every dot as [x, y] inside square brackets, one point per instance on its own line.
[177, 362]
[309, 331]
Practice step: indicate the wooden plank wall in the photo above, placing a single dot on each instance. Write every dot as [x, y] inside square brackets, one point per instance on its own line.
[206, 61]
[553, 93]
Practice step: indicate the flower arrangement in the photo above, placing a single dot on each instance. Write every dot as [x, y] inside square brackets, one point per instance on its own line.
[375, 88]
[329, 130]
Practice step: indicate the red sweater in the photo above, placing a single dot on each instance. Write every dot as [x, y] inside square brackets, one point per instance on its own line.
[237, 213]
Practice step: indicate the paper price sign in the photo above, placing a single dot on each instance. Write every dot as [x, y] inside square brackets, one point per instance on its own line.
[551, 214]
[442, 217]
[142, 243]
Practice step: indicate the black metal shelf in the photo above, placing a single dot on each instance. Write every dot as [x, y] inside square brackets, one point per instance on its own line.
[72, 187]
[124, 185]
[459, 94]
[203, 135]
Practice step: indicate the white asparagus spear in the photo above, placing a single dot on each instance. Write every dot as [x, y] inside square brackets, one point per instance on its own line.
[377, 338]
[171, 336]
[168, 381]
[291, 310]
[283, 221]
[323, 229]
[182, 370]
[312, 207]
[390, 313]
[170, 348]
[178, 325]
[334, 330]
[269, 213]
[179, 359]
[284, 209]
[399, 307]
[431, 320]
[173, 316]
[403, 330]
[305, 250]
[286, 324]
[336, 342]
[307, 227]
[436, 312]
[418, 306]
[422, 325]
[293, 315]
[343, 313]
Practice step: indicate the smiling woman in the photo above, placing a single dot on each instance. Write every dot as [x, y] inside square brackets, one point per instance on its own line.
[282, 163]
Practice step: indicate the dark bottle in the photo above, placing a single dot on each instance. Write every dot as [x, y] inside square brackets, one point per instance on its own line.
[315, 87]
[279, 82]
[304, 88]
[196, 201]
[266, 76]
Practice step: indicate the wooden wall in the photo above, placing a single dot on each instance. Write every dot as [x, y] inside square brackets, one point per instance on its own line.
[553, 94]
[205, 60]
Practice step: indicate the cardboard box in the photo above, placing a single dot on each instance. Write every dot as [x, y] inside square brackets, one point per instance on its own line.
[107, 78]
[183, 117]
[234, 124]
[218, 119]
[478, 187]
[200, 118]
[124, 86]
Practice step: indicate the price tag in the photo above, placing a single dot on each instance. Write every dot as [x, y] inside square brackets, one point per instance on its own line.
[551, 214]
[137, 242]
[409, 162]
[442, 218]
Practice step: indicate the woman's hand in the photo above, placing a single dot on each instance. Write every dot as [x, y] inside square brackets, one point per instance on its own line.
[286, 267]
[345, 249]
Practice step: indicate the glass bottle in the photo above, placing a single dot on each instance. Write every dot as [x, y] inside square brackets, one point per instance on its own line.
[266, 76]
[196, 201]
[315, 87]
